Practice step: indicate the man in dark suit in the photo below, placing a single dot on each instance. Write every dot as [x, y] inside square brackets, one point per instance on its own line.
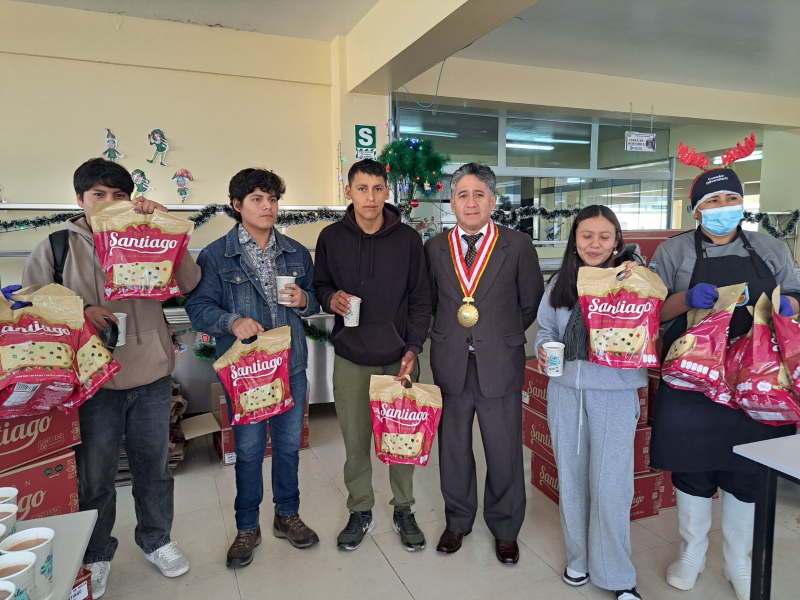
[486, 287]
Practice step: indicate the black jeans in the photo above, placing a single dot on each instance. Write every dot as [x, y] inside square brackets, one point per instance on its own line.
[141, 415]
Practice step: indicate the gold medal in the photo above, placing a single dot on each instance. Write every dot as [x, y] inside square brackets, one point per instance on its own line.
[468, 313]
[468, 278]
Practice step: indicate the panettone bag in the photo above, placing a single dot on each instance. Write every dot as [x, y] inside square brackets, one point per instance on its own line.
[405, 418]
[787, 332]
[256, 376]
[139, 253]
[95, 367]
[696, 360]
[725, 391]
[763, 389]
[622, 317]
[37, 351]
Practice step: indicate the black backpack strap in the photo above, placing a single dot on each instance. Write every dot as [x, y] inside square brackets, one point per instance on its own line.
[59, 244]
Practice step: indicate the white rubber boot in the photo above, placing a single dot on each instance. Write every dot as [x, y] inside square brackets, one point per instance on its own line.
[737, 542]
[694, 521]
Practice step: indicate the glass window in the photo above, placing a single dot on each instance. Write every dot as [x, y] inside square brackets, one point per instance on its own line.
[554, 144]
[466, 138]
[611, 151]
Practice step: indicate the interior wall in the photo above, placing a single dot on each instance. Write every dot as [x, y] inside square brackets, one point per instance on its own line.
[224, 99]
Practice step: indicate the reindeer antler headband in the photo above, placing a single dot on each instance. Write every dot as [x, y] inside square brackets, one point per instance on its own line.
[693, 159]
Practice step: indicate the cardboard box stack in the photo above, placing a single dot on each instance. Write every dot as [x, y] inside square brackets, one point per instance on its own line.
[177, 441]
[82, 588]
[218, 423]
[37, 459]
[544, 474]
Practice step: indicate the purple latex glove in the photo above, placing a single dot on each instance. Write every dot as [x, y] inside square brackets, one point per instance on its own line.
[703, 295]
[9, 291]
[786, 309]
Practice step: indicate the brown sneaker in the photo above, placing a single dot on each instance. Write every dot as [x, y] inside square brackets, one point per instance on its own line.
[293, 529]
[240, 554]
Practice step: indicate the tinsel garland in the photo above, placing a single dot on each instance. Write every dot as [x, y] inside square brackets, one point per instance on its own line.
[512, 218]
[317, 333]
[763, 220]
[200, 218]
[206, 352]
[303, 217]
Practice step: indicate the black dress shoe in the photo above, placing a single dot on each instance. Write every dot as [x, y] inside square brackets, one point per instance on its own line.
[451, 542]
[507, 552]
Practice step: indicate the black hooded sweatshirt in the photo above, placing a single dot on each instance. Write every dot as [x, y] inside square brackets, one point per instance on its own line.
[387, 271]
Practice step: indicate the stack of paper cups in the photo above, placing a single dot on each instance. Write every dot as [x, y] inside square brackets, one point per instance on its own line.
[39, 542]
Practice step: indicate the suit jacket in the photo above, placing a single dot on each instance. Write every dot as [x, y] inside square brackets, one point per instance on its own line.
[507, 299]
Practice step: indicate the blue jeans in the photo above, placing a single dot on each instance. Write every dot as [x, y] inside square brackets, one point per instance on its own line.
[250, 443]
[141, 415]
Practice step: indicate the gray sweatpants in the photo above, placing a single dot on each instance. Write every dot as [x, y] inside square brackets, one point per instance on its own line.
[593, 433]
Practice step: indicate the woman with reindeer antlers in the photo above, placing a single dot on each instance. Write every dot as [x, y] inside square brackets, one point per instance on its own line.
[692, 436]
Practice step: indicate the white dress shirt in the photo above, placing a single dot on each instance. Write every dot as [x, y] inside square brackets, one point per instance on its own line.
[464, 246]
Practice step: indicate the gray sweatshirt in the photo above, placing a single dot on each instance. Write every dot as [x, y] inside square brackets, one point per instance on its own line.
[581, 374]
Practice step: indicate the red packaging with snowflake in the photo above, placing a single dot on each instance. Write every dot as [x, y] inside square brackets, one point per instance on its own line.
[787, 332]
[763, 388]
[405, 417]
[139, 253]
[37, 351]
[696, 360]
[622, 317]
[256, 376]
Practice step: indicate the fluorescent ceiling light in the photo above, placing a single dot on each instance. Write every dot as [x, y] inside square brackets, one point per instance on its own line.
[751, 182]
[529, 147]
[416, 131]
[754, 156]
[639, 166]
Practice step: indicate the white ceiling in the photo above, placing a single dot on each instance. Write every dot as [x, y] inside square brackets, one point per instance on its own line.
[310, 19]
[744, 45]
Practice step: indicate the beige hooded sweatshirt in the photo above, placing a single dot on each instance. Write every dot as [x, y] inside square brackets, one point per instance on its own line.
[147, 354]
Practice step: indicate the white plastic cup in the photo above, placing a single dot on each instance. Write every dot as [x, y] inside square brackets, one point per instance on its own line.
[122, 326]
[555, 359]
[43, 572]
[8, 519]
[281, 281]
[8, 495]
[351, 318]
[8, 588]
[24, 579]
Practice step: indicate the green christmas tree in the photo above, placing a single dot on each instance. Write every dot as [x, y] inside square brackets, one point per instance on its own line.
[414, 168]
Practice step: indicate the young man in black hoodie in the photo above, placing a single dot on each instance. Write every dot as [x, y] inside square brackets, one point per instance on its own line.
[372, 255]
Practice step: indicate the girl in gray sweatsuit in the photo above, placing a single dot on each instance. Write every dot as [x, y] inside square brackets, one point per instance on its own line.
[592, 412]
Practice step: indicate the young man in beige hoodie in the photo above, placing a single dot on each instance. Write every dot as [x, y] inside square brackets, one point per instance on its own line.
[135, 404]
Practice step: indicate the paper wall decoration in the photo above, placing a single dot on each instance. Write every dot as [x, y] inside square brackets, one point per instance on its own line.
[159, 140]
[111, 152]
[182, 178]
[141, 183]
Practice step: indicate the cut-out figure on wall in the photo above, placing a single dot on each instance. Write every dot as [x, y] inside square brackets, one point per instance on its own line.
[111, 153]
[182, 178]
[141, 182]
[159, 140]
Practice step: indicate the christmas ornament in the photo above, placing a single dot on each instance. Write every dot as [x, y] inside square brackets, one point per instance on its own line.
[141, 183]
[426, 186]
[159, 140]
[440, 187]
[388, 168]
[111, 153]
[414, 203]
[182, 178]
[411, 165]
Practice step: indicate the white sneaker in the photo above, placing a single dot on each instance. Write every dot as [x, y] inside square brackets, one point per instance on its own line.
[169, 560]
[100, 571]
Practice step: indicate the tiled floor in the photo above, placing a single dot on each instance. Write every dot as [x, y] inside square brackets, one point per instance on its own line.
[381, 569]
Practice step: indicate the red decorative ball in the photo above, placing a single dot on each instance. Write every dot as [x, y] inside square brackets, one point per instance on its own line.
[414, 203]
[440, 187]
[388, 168]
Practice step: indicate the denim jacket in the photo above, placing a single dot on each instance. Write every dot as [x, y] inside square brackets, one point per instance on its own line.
[229, 289]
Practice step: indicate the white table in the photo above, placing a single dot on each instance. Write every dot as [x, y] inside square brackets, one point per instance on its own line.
[776, 458]
[72, 536]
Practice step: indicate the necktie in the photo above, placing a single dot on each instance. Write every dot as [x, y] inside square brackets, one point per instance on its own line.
[472, 252]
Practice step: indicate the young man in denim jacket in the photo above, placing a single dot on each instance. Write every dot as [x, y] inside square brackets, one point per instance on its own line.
[237, 297]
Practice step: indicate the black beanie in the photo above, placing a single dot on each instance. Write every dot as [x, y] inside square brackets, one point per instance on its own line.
[712, 183]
